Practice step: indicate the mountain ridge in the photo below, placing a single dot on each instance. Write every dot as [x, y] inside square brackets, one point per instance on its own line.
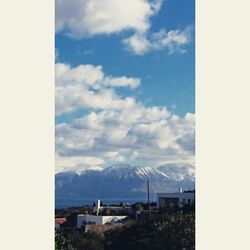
[119, 180]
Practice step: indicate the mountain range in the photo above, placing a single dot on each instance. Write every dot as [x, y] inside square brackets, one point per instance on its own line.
[122, 181]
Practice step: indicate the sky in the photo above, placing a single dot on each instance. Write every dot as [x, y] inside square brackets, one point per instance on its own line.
[125, 83]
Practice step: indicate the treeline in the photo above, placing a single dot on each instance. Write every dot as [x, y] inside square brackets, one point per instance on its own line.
[173, 230]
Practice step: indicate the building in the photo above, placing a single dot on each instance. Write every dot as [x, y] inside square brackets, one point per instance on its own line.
[83, 219]
[176, 199]
[99, 209]
[59, 222]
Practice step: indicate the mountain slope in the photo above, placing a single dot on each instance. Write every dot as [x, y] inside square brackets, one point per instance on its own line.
[117, 181]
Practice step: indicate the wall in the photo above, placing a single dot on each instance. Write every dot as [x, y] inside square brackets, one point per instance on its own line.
[180, 196]
[99, 220]
[100, 229]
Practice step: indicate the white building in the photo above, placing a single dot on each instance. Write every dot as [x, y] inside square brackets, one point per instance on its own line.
[178, 199]
[95, 219]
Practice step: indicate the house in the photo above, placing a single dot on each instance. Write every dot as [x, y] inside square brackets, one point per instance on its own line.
[175, 199]
[99, 209]
[59, 222]
[83, 219]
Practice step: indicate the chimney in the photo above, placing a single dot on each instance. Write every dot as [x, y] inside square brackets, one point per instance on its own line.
[180, 190]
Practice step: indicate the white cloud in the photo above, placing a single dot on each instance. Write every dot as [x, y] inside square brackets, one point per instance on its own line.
[122, 81]
[77, 163]
[138, 43]
[72, 98]
[109, 135]
[86, 86]
[118, 128]
[83, 74]
[85, 18]
[173, 41]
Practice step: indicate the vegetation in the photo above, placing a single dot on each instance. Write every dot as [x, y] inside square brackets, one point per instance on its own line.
[61, 243]
[172, 229]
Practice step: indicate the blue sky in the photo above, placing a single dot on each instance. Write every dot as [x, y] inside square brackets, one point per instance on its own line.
[152, 45]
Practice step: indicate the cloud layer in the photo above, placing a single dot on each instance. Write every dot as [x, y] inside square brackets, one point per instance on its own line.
[118, 129]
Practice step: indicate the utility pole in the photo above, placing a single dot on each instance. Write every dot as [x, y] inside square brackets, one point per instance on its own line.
[148, 193]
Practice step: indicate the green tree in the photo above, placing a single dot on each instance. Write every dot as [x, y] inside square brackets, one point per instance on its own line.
[61, 243]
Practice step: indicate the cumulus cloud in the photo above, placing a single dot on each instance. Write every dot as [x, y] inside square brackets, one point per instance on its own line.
[116, 129]
[77, 163]
[86, 18]
[138, 43]
[82, 74]
[111, 136]
[172, 41]
[87, 86]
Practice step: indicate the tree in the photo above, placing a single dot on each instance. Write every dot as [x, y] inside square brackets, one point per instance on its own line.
[61, 243]
[171, 231]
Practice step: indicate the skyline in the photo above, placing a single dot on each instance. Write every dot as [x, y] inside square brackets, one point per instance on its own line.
[125, 83]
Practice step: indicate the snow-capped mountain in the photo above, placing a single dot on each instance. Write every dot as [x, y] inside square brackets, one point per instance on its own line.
[125, 171]
[178, 172]
[117, 181]
[181, 174]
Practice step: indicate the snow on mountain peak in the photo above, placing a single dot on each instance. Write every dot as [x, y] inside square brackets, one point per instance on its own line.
[117, 181]
[125, 171]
